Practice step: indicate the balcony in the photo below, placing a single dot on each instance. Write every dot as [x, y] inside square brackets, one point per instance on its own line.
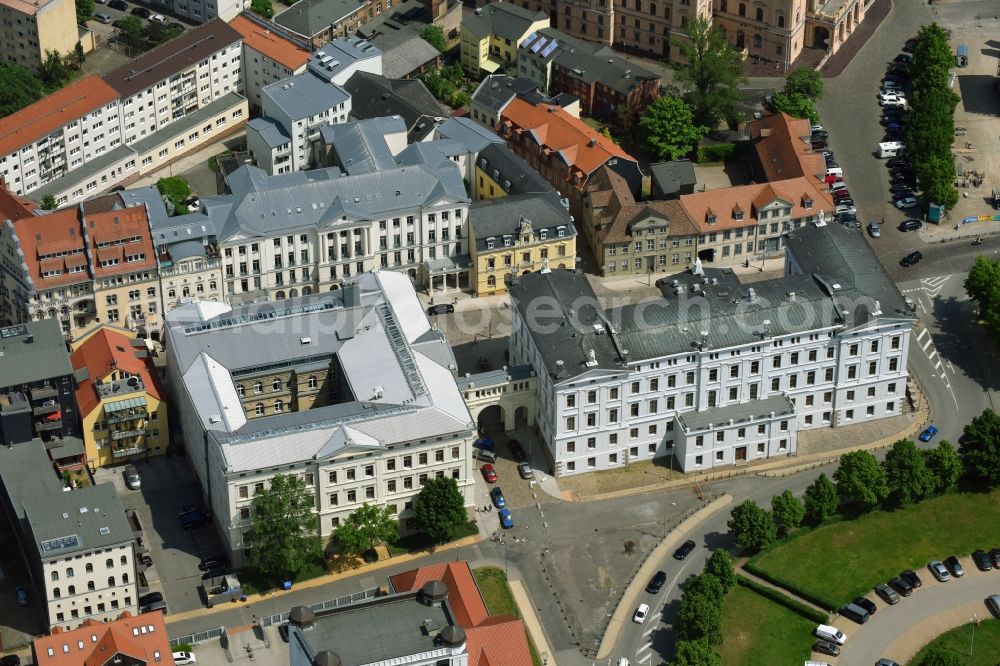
[120, 388]
[46, 408]
[196, 267]
[117, 435]
[125, 416]
[42, 392]
[124, 453]
[46, 425]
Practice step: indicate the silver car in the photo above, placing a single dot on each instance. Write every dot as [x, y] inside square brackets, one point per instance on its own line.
[873, 229]
[524, 469]
[993, 603]
[939, 571]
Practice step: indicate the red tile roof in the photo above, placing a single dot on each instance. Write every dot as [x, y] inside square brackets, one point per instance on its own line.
[748, 199]
[137, 637]
[783, 148]
[463, 596]
[101, 353]
[616, 209]
[583, 148]
[270, 44]
[500, 641]
[117, 227]
[13, 207]
[53, 111]
[52, 234]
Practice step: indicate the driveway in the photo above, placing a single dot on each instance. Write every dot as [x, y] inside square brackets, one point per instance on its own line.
[898, 632]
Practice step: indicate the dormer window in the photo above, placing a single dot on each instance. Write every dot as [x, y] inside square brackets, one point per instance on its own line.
[807, 203]
[711, 218]
[738, 215]
[490, 243]
[561, 231]
[506, 241]
[542, 233]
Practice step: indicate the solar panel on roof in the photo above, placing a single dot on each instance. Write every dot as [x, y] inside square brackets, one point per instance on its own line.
[550, 48]
[539, 44]
[71, 541]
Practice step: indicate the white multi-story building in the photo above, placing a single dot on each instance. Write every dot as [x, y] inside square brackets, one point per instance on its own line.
[354, 392]
[715, 373]
[200, 11]
[270, 54]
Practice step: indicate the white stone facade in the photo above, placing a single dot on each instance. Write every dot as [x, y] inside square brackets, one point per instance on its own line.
[97, 585]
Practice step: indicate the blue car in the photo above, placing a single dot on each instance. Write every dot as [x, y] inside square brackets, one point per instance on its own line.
[928, 435]
[484, 443]
[497, 496]
[505, 519]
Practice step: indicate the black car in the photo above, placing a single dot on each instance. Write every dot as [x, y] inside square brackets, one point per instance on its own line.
[901, 586]
[892, 135]
[10, 660]
[899, 162]
[954, 566]
[902, 188]
[214, 562]
[820, 134]
[120, 5]
[867, 604]
[141, 12]
[911, 577]
[441, 308]
[903, 58]
[910, 45]
[684, 550]
[656, 582]
[516, 450]
[150, 598]
[995, 555]
[888, 594]
[903, 178]
[826, 647]
[910, 225]
[982, 560]
[911, 259]
[817, 144]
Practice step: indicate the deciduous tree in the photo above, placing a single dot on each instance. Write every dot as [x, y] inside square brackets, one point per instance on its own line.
[752, 527]
[943, 465]
[720, 565]
[980, 447]
[710, 74]
[907, 476]
[177, 190]
[440, 509]
[805, 81]
[942, 656]
[787, 511]
[285, 531]
[84, 11]
[48, 202]
[695, 653]
[670, 129]
[262, 7]
[861, 480]
[795, 105]
[434, 35]
[18, 88]
[366, 528]
[54, 69]
[821, 500]
[700, 613]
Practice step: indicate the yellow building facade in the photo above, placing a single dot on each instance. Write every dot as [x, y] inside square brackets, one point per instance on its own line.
[120, 398]
[31, 28]
[490, 37]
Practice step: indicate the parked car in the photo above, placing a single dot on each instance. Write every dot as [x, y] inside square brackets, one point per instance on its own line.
[133, 480]
[640, 613]
[141, 12]
[887, 594]
[684, 550]
[846, 209]
[283, 631]
[22, 595]
[213, 562]
[817, 144]
[524, 469]
[995, 556]
[816, 127]
[902, 188]
[928, 433]
[440, 308]
[894, 162]
[184, 658]
[120, 5]
[886, 662]
[158, 18]
[826, 647]
[911, 577]
[911, 259]
[867, 604]
[910, 45]
[820, 134]
[489, 473]
[906, 204]
[506, 520]
[910, 225]
[484, 443]
[150, 598]
[496, 495]
[656, 582]
[195, 518]
[10, 660]
[904, 58]
[993, 603]
[982, 560]
[901, 586]
[146, 560]
[517, 451]
[954, 566]
[939, 571]
[101, 17]
[891, 99]
[899, 196]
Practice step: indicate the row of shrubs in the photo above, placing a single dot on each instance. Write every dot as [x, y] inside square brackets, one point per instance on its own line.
[781, 598]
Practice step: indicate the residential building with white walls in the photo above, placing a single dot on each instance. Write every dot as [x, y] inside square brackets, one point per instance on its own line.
[270, 54]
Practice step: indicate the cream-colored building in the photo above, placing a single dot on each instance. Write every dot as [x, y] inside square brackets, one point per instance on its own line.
[491, 35]
[30, 28]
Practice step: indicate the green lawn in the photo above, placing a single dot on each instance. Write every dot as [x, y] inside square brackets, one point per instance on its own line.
[759, 632]
[492, 583]
[958, 640]
[833, 564]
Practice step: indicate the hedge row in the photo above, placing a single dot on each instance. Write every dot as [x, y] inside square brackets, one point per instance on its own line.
[720, 152]
[783, 599]
[822, 602]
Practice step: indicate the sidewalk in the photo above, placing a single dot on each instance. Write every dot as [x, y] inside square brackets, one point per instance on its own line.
[323, 580]
[531, 622]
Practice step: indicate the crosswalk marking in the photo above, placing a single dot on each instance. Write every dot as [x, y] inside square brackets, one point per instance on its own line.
[933, 285]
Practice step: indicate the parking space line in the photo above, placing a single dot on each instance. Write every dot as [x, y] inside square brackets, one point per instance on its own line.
[921, 334]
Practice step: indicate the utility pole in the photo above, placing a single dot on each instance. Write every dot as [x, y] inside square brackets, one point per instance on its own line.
[972, 643]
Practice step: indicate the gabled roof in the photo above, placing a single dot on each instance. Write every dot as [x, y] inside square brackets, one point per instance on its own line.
[53, 112]
[374, 95]
[783, 148]
[59, 236]
[96, 643]
[304, 95]
[270, 43]
[617, 210]
[118, 230]
[555, 130]
[310, 17]
[502, 19]
[13, 207]
[510, 168]
[103, 352]
[725, 202]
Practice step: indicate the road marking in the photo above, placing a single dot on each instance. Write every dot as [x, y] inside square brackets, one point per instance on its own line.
[933, 285]
[641, 660]
[921, 334]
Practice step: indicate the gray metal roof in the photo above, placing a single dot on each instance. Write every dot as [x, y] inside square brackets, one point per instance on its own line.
[182, 125]
[431, 152]
[45, 357]
[149, 197]
[338, 54]
[774, 406]
[403, 50]
[304, 95]
[469, 133]
[84, 519]
[497, 90]
[183, 228]
[360, 146]
[310, 17]
[374, 95]
[673, 176]
[502, 19]
[510, 168]
[81, 174]
[27, 474]
[495, 218]
[269, 131]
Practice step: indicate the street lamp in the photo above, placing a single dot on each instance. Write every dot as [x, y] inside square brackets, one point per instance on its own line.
[972, 643]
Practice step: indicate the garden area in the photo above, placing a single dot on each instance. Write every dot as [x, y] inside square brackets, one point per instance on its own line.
[953, 647]
[496, 593]
[761, 632]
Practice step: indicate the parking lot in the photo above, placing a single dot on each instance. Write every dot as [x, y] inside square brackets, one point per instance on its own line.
[105, 30]
[168, 485]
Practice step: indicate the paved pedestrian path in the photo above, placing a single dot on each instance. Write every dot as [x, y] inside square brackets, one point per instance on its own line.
[777, 588]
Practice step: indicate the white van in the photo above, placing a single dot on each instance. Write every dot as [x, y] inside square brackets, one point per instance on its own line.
[891, 149]
[835, 171]
[832, 634]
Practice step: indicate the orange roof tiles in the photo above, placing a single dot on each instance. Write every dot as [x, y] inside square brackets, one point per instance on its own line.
[104, 351]
[13, 207]
[468, 604]
[579, 145]
[783, 148]
[53, 111]
[726, 202]
[270, 44]
[143, 638]
[118, 227]
[59, 232]
[500, 641]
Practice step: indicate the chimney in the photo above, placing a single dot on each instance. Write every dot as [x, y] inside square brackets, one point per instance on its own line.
[351, 294]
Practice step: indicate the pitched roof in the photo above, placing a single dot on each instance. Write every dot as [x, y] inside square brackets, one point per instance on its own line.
[13, 207]
[309, 17]
[104, 351]
[57, 236]
[510, 168]
[86, 519]
[783, 147]
[501, 19]
[503, 216]
[172, 57]
[672, 176]
[403, 49]
[496, 90]
[748, 199]
[304, 95]
[555, 130]
[122, 233]
[270, 44]
[139, 637]
[374, 95]
[616, 209]
[499, 641]
[54, 111]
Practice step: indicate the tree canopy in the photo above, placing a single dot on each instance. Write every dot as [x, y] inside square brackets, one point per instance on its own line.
[944, 466]
[983, 286]
[670, 129]
[367, 527]
[788, 512]
[720, 565]
[906, 473]
[48, 202]
[710, 74]
[695, 653]
[942, 656]
[177, 190]
[285, 531]
[434, 35]
[861, 480]
[700, 613]
[821, 500]
[752, 527]
[18, 88]
[262, 7]
[440, 509]
[980, 446]
[805, 81]
[84, 11]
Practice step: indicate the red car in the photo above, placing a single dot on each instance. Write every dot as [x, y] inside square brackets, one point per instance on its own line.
[489, 474]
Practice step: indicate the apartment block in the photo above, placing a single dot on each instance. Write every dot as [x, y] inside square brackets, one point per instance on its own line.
[200, 11]
[707, 374]
[270, 54]
[33, 27]
[491, 36]
[352, 391]
[14, 289]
